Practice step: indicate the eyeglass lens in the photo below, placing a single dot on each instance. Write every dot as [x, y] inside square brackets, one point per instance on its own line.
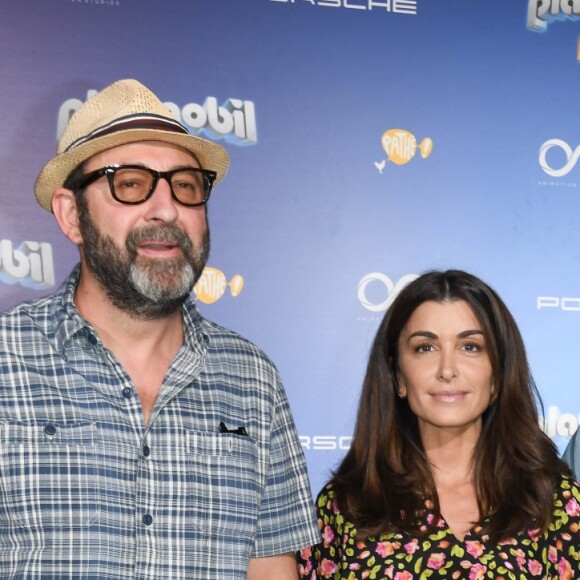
[133, 185]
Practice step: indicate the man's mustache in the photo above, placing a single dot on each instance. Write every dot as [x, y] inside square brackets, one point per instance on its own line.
[169, 234]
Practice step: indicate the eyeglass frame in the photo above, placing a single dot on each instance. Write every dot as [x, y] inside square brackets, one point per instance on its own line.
[110, 170]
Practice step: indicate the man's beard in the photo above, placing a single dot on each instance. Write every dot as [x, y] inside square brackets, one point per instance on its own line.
[145, 288]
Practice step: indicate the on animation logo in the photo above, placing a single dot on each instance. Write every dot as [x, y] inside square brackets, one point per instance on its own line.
[542, 12]
[377, 291]
[30, 264]
[558, 146]
[400, 146]
[212, 285]
[234, 120]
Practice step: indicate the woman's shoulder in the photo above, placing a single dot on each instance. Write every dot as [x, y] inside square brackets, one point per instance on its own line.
[567, 487]
[567, 503]
[326, 500]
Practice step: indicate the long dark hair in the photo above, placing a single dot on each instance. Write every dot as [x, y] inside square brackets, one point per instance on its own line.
[384, 480]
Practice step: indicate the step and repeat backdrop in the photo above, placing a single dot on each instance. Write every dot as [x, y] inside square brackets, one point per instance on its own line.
[370, 140]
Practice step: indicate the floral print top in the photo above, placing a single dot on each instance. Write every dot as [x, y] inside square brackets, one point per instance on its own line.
[400, 556]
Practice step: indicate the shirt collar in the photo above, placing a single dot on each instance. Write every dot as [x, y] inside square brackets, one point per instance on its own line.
[69, 323]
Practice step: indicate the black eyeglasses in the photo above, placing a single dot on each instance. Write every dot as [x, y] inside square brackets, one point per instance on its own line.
[134, 184]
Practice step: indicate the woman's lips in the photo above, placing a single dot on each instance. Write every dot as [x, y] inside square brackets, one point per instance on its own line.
[449, 396]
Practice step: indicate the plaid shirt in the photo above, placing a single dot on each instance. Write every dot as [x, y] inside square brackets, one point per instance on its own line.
[88, 491]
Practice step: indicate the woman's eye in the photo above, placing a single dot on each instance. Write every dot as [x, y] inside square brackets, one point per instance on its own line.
[425, 347]
[472, 347]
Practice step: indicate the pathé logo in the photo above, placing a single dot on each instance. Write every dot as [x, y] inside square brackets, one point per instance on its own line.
[378, 279]
[400, 146]
[571, 157]
[212, 284]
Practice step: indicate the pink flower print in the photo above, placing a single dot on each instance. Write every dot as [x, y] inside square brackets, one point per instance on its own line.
[553, 554]
[474, 548]
[412, 546]
[535, 567]
[305, 553]
[477, 572]
[403, 576]
[327, 536]
[509, 542]
[354, 566]
[565, 570]
[520, 559]
[533, 534]
[326, 568]
[573, 508]
[385, 549]
[364, 555]
[432, 519]
[436, 561]
[303, 570]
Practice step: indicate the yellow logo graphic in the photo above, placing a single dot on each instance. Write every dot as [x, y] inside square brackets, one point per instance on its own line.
[400, 146]
[212, 284]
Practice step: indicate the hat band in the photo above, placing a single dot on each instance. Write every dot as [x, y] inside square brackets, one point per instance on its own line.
[152, 122]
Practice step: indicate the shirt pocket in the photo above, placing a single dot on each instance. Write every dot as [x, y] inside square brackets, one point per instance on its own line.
[49, 474]
[224, 483]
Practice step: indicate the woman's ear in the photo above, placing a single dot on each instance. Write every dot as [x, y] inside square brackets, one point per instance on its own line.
[64, 208]
[401, 386]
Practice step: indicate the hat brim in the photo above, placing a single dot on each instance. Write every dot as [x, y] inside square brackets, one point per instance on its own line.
[55, 172]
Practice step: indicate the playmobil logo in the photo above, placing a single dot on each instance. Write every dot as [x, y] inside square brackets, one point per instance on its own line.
[395, 6]
[30, 264]
[542, 12]
[234, 121]
[558, 424]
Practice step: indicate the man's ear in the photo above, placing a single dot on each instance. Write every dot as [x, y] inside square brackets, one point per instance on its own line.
[64, 208]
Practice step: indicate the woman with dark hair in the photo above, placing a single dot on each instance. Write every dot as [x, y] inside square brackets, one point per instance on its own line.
[449, 472]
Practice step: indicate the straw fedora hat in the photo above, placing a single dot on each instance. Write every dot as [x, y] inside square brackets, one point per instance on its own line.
[124, 112]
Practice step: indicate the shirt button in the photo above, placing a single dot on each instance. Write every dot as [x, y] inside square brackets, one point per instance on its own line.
[127, 393]
[146, 450]
[147, 519]
[50, 430]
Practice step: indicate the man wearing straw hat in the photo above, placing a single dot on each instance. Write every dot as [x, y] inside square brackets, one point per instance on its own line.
[137, 439]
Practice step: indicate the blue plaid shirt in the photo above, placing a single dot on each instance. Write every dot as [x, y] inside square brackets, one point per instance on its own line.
[88, 491]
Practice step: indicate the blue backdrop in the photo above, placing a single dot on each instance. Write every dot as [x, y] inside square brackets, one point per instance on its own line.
[370, 140]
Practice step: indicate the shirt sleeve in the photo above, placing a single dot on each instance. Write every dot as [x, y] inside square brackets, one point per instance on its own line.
[572, 455]
[286, 520]
[322, 560]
